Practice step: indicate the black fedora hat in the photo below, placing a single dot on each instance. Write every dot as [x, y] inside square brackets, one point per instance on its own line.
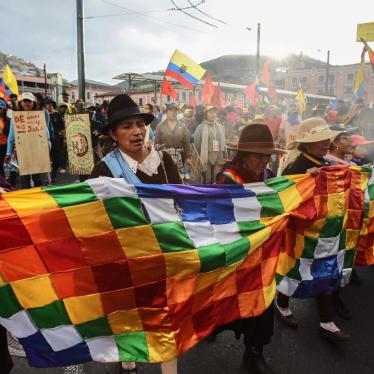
[121, 107]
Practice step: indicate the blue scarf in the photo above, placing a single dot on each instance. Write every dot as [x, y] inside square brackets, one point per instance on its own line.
[119, 167]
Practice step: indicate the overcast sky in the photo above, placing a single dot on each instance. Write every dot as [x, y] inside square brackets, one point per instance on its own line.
[44, 31]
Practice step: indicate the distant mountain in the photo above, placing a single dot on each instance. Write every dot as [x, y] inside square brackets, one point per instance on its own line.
[19, 65]
[241, 69]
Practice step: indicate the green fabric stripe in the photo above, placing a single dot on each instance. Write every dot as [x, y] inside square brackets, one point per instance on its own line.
[342, 240]
[371, 192]
[132, 346]
[236, 251]
[366, 210]
[294, 272]
[333, 227]
[279, 183]
[71, 194]
[9, 304]
[172, 237]
[249, 227]
[95, 328]
[50, 316]
[278, 278]
[125, 212]
[349, 257]
[310, 245]
[271, 205]
[211, 257]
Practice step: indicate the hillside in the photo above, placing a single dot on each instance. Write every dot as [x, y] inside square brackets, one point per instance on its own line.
[241, 69]
[18, 65]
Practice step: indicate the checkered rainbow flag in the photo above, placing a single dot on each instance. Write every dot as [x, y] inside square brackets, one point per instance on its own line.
[108, 272]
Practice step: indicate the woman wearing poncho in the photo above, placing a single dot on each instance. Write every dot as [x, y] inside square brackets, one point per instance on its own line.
[254, 149]
[136, 163]
[307, 155]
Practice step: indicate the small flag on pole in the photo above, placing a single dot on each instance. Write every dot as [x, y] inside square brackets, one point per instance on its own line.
[168, 89]
[301, 102]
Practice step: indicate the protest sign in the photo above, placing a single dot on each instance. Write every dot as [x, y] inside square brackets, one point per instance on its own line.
[31, 142]
[79, 144]
[365, 31]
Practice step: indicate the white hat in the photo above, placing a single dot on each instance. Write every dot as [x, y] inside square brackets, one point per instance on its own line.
[27, 96]
[314, 130]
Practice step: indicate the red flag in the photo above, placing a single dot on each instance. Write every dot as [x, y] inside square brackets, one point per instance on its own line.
[218, 98]
[168, 89]
[272, 92]
[371, 57]
[252, 93]
[265, 79]
[208, 90]
[192, 102]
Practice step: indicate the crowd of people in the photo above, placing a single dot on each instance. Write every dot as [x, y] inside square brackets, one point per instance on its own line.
[183, 144]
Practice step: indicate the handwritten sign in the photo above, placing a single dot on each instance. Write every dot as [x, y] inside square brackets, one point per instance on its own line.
[79, 144]
[365, 31]
[31, 142]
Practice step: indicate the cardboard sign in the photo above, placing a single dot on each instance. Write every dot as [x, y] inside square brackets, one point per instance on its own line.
[365, 31]
[31, 142]
[79, 144]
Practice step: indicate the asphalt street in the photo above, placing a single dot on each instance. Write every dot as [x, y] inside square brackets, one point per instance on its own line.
[299, 351]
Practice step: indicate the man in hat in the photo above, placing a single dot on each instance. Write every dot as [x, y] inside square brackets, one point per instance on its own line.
[210, 143]
[173, 135]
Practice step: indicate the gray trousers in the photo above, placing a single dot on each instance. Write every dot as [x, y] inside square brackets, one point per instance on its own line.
[210, 175]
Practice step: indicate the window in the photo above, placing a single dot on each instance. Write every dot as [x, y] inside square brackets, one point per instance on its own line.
[184, 96]
[168, 98]
[350, 77]
[294, 82]
[140, 101]
[88, 95]
[73, 95]
[305, 81]
[321, 79]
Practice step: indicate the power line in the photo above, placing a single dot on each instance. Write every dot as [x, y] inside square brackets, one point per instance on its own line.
[192, 16]
[204, 13]
[154, 19]
[189, 7]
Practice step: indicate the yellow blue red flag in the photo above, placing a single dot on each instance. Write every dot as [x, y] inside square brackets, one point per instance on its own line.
[8, 83]
[359, 86]
[185, 70]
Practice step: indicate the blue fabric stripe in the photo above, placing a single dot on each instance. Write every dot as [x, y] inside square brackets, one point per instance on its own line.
[185, 75]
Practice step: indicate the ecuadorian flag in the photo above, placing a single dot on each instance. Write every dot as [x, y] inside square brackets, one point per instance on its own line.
[8, 83]
[185, 70]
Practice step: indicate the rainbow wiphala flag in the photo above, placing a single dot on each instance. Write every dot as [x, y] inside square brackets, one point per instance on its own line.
[105, 271]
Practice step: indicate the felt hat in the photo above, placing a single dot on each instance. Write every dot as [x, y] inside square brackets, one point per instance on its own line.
[121, 107]
[314, 130]
[88, 105]
[256, 138]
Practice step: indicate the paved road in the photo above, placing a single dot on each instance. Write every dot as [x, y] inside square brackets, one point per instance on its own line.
[291, 352]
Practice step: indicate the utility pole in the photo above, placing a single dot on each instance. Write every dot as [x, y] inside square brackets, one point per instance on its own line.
[45, 79]
[258, 50]
[80, 52]
[327, 74]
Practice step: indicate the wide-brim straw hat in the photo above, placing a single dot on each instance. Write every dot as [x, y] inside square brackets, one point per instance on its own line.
[256, 138]
[314, 130]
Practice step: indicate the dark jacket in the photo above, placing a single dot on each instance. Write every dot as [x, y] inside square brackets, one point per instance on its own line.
[302, 164]
[173, 177]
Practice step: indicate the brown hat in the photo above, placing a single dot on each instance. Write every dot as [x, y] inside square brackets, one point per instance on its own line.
[256, 138]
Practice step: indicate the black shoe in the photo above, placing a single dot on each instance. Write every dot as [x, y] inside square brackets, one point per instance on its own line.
[355, 279]
[254, 363]
[289, 320]
[341, 310]
[337, 336]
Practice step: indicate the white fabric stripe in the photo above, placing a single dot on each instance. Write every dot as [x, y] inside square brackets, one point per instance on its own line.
[161, 210]
[201, 233]
[327, 247]
[288, 286]
[340, 259]
[259, 188]
[304, 269]
[227, 233]
[106, 188]
[62, 337]
[20, 325]
[346, 276]
[246, 209]
[103, 349]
